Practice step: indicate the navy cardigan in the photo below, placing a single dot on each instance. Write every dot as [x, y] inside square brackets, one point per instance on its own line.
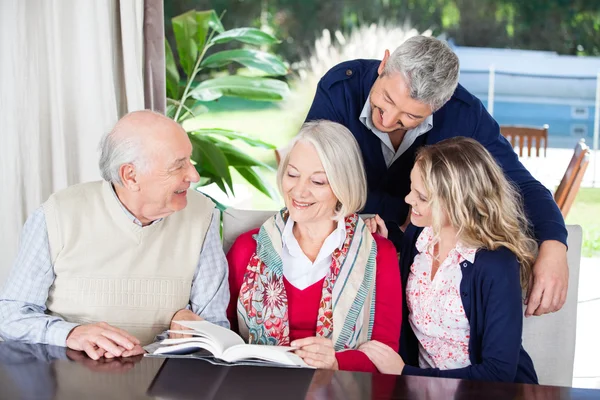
[491, 295]
[341, 95]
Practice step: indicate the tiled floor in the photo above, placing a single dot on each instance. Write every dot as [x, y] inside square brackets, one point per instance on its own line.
[586, 371]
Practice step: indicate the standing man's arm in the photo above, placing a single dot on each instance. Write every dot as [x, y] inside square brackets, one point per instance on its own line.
[209, 296]
[550, 271]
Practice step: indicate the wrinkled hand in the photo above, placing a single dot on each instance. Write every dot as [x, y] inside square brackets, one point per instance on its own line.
[377, 225]
[100, 339]
[548, 292]
[182, 315]
[386, 360]
[112, 365]
[136, 351]
[316, 351]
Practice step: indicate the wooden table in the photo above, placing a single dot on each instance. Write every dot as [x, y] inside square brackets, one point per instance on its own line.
[47, 372]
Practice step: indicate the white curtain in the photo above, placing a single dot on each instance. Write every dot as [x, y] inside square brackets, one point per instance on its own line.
[68, 70]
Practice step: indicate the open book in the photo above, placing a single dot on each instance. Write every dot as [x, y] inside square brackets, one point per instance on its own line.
[225, 345]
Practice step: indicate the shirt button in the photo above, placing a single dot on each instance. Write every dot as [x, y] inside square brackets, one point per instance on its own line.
[464, 294]
[465, 265]
[349, 72]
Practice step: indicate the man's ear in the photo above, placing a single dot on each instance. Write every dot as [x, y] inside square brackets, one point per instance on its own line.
[128, 176]
[386, 56]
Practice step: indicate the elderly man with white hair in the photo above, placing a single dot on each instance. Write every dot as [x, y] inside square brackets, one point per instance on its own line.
[412, 98]
[103, 267]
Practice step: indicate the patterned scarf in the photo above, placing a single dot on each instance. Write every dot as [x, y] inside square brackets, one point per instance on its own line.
[347, 306]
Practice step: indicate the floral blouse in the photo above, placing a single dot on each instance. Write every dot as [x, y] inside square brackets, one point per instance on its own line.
[436, 312]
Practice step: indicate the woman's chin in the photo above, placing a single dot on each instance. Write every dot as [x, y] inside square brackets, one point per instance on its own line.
[415, 221]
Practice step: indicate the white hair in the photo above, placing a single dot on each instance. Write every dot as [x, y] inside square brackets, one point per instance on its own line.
[430, 68]
[341, 158]
[117, 149]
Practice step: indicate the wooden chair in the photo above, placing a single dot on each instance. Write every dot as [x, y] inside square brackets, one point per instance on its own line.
[569, 185]
[521, 134]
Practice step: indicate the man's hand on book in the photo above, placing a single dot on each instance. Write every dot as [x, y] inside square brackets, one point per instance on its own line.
[317, 352]
[182, 315]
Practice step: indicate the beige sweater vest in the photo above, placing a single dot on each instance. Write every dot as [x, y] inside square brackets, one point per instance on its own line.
[110, 269]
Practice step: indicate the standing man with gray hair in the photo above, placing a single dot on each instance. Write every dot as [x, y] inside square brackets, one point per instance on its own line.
[410, 99]
[103, 267]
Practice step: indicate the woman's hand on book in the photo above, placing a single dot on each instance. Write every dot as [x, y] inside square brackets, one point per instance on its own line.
[182, 315]
[386, 360]
[316, 351]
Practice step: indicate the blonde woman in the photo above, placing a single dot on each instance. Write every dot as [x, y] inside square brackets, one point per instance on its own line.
[465, 261]
[313, 276]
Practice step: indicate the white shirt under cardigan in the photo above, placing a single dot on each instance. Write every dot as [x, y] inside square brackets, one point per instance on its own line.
[389, 154]
[297, 267]
[436, 313]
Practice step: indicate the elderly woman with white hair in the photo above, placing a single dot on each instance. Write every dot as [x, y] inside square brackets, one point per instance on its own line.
[313, 276]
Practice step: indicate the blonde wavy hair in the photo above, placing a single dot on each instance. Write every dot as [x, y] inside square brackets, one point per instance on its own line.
[466, 185]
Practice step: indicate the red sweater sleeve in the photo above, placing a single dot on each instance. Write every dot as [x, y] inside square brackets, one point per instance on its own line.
[237, 258]
[388, 308]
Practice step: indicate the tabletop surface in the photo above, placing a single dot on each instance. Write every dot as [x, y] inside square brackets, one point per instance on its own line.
[46, 372]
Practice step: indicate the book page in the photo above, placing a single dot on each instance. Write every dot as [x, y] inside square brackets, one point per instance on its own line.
[222, 338]
[187, 345]
[278, 354]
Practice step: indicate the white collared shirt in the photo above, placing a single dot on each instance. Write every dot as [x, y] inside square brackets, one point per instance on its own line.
[297, 267]
[389, 154]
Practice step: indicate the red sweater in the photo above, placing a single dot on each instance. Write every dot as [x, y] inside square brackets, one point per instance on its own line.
[303, 305]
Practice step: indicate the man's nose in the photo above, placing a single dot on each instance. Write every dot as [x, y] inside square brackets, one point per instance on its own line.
[193, 175]
[389, 119]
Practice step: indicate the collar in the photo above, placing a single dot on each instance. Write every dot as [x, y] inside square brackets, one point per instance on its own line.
[425, 240]
[126, 211]
[366, 118]
[334, 241]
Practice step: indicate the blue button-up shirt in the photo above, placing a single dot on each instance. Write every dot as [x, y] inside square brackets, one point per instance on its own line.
[23, 298]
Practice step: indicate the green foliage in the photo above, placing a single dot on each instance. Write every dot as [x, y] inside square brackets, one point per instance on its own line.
[196, 32]
[567, 27]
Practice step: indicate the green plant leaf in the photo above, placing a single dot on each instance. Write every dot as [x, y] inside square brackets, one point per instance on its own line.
[237, 158]
[208, 178]
[233, 135]
[191, 30]
[245, 35]
[172, 75]
[220, 206]
[210, 158]
[262, 89]
[171, 109]
[185, 29]
[256, 180]
[192, 108]
[268, 63]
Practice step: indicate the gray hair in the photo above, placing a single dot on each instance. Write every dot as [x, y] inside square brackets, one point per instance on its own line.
[430, 68]
[116, 150]
[342, 161]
